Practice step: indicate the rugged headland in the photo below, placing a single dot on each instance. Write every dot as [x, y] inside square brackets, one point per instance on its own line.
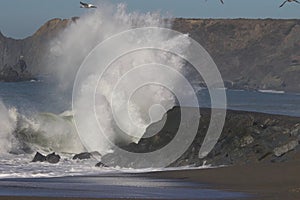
[250, 53]
[246, 138]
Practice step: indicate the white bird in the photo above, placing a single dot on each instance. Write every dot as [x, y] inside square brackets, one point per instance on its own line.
[288, 1]
[220, 0]
[87, 5]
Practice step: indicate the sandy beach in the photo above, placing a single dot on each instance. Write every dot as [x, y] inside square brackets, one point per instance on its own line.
[265, 181]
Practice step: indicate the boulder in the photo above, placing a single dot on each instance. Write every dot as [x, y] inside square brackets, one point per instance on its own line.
[279, 151]
[52, 158]
[101, 164]
[39, 157]
[82, 156]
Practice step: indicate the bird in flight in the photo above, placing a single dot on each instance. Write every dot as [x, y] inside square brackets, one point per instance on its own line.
[87, 5]
[220, 0]
[288, 1]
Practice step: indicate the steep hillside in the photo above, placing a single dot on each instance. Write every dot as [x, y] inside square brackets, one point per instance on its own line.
[250, 53]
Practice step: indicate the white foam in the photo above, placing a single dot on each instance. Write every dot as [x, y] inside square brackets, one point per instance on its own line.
[8, 123]
[272, 91]
[20, 166]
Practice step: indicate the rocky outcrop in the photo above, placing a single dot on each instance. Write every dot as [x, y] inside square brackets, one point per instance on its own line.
[50, 158]
[33, 49]
[247, 137]
[82, 156]
[39, 157]
[100, 164]
[17, 72]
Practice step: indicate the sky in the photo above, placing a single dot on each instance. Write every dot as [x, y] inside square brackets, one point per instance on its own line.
[21, 18]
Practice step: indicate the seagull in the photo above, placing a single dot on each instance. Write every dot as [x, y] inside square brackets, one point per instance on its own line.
[221, 1]
[288, 1]
[87, 5]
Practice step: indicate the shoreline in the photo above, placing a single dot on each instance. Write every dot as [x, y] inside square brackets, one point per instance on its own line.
[263, 181]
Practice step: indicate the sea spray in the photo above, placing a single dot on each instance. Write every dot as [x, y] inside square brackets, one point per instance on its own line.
[44, 132]
[68, 51]
[48, 132]
[8, 123]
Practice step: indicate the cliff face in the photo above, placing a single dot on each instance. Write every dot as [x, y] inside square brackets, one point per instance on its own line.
[250, 53]
[33, 48]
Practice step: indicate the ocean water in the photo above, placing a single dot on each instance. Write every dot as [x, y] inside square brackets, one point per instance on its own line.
[129, 186]
[33, 98]
[41, 96]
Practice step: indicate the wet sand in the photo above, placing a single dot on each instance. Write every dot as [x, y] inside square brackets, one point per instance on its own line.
[268, 181]
[264, 181]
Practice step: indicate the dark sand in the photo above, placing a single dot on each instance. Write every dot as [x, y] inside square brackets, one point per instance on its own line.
[265, 181]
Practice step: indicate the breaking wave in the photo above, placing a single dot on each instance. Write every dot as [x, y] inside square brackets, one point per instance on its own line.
[69, 50]
[56, 132]
[44, 132]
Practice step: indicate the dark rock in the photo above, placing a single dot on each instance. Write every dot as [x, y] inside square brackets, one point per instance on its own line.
[35, 48]
[15, 73]
[100, 164]
[39, 157]
[247, 137]
[52, 158]
[82, 156]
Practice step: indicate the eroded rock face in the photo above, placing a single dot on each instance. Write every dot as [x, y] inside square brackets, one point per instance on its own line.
[246, 137]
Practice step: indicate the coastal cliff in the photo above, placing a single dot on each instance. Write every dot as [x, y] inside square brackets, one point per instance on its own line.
[250, 53]
[32, 49]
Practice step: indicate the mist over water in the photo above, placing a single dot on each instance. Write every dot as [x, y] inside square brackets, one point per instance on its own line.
[69, 49]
